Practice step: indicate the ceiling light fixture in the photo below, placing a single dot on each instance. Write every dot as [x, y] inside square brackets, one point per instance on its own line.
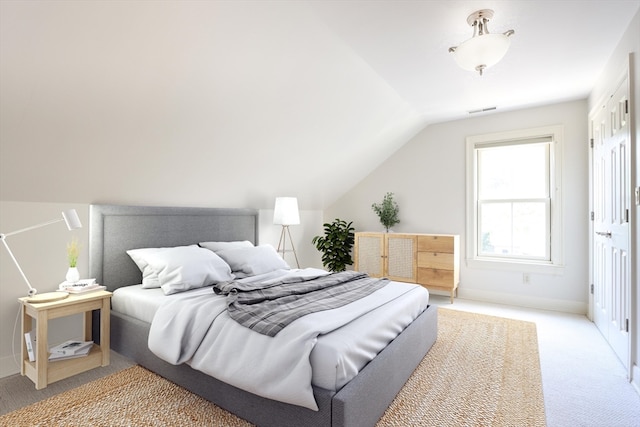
[483, 49]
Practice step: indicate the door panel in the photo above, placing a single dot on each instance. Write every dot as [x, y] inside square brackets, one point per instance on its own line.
[369, 254]
[400, 257]
[610, 203]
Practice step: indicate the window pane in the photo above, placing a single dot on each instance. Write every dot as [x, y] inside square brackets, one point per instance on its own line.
[514, 229]
[514, 184]
[514, 171]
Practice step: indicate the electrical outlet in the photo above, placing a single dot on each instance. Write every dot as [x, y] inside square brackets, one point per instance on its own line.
[525, 278]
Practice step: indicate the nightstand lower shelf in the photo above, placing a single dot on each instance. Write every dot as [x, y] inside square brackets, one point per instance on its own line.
[61, 369]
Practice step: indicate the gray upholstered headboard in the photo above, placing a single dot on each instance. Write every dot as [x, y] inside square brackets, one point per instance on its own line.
[115, 229]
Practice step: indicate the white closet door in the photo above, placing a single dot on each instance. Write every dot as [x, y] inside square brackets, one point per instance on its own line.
[611, 197]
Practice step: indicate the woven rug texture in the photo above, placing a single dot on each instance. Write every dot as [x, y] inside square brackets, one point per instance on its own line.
[482, 371]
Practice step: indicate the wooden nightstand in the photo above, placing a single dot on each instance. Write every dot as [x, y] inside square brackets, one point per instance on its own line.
[42, 372]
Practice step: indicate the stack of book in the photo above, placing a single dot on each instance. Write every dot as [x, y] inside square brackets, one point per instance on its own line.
[84, 285]
[70, 349]
[30, 340]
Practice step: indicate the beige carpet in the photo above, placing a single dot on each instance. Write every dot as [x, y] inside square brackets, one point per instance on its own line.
[482, 371]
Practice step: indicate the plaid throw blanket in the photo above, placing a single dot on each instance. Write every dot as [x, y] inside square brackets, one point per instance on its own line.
[267, 309]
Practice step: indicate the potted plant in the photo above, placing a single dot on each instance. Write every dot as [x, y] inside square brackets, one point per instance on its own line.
[387, 211]
[336, 245]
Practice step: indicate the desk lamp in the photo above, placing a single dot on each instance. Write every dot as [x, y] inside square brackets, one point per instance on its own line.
[70, 217]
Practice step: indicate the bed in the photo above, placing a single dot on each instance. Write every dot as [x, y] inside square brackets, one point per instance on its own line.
[360, 402]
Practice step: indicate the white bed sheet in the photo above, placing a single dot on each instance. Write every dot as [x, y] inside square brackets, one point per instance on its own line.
[337, 356]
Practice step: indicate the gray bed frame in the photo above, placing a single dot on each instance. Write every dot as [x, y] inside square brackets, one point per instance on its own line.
[115, 229]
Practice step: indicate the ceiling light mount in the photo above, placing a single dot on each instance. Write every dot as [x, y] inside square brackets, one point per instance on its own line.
[484, 49]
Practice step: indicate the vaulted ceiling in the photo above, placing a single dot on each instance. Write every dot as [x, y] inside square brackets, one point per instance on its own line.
[235, 102]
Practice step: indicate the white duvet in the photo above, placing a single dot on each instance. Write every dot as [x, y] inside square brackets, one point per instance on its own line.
[196, 329]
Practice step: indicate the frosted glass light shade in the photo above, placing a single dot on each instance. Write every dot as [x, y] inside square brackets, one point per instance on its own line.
[286, 211]
[481, 51]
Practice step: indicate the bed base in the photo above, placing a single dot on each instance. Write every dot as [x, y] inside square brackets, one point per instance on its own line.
[360, 403]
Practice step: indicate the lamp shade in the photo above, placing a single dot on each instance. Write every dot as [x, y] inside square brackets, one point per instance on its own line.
[71, 219]
[481, 51]
[286, 211]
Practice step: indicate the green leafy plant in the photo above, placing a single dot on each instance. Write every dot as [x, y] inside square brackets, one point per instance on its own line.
[73, 250]
[336, 245]
[387, 211]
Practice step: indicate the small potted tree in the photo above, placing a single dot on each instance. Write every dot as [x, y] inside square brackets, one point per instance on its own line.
[336, 245]
[387, 211]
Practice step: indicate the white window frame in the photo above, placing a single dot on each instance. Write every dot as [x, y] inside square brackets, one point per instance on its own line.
[556, 261]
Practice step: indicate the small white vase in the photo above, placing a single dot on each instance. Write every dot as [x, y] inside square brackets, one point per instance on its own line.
[73, 275]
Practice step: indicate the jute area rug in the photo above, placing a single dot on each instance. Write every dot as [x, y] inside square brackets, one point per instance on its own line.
[482, 371]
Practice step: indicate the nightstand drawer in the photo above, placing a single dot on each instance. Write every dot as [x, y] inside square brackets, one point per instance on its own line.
[435, 277]
[437, 260]
[435, 243]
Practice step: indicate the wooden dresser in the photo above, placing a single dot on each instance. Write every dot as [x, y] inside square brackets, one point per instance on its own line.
[431, 260]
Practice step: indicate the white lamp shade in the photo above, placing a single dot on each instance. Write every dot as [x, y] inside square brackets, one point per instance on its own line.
[286, 211]
[487, 50]
[71, 219]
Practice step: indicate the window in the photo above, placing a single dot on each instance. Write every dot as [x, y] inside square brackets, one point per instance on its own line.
[513, 192]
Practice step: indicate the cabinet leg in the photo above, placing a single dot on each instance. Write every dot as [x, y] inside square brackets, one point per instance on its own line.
[454, 293]
[105, 331]
[87, 325]
[42, 350]
[27, 326]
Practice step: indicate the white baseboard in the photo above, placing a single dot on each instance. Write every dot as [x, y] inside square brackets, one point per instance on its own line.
[635, 378]
[565, 306]
[8, 366]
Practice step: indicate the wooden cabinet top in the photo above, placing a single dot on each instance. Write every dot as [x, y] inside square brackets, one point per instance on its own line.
[406, 234]
[69, 300]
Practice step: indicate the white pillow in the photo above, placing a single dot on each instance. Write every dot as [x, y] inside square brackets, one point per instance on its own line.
[180, 268]
[254, 260]
[224, 246]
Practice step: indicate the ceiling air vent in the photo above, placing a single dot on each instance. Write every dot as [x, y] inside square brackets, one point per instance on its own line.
[482, 110]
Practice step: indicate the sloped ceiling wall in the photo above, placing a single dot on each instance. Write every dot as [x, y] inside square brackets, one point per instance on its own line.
[197, 103]
[231, 103]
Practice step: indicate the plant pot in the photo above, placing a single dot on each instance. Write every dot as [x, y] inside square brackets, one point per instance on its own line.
[73, 275]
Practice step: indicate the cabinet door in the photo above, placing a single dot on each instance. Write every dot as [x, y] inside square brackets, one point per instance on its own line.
[369, 254]
[401, 257]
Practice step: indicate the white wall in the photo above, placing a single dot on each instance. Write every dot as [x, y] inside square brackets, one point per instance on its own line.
[427, 177]
[187, 103]
[42, 256]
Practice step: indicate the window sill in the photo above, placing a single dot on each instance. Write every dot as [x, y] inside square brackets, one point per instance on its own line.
[515, 265]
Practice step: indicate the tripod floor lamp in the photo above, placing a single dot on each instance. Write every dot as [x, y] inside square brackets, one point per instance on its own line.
[285, 214]
[70, 218]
